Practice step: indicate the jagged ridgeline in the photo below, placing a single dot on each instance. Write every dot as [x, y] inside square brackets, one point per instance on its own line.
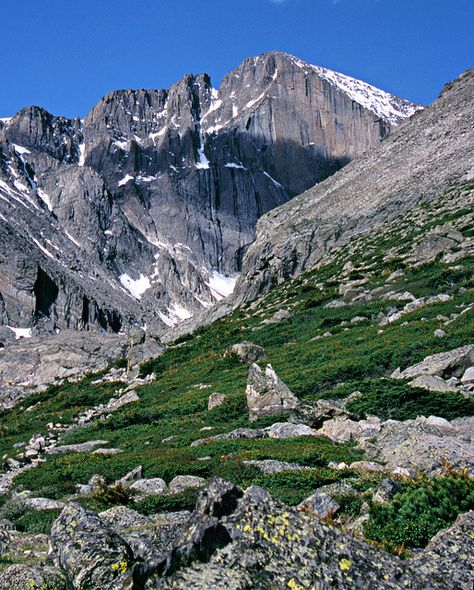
[314, 430]
[142, 212]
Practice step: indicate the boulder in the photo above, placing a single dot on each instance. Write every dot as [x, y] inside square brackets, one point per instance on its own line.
[321, 504]
[279, 316]
[85, 447]
[425, 444]
[269, 466]
[148, 487]
[267, 395]
[216, 400]
[445, 364]
[248, 352]
[90, 553]
[316, 414]
[386, 490]
[250, 433]
[134, 475]
[468, 376]
[432, 383]
[343, 430]
[289, 430]
[180, 483]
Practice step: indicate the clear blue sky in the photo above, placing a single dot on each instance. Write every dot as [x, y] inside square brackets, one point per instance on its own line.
[66, 54]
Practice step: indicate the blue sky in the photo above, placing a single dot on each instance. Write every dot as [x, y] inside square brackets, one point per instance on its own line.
[64, 54]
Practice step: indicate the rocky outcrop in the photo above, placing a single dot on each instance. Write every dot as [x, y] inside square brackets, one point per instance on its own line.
[31, 365]
[267, 395]
[142, 212]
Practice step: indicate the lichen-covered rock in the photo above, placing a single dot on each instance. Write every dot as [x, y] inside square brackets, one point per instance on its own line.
[183, 482]
[267, 395]
[148, 487]
[90, 553]
[274, 546]
[26, 577]
[321, 504]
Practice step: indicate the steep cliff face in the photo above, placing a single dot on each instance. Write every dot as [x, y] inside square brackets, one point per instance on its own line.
[417, 163]
[146, 208]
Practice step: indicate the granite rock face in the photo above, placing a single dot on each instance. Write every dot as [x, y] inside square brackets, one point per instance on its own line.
[142, 212]
[414, 165]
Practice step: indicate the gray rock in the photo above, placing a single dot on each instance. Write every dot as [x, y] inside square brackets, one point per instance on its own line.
[219, 498]
[386, 490]
[267, 395]
[279, 316]
[90, 553]
[215, 400]
[343, 430]
[85, 447]
[269, 466]
[445, 364]
[468, 376]
[41, 504]
[424, 444]
[321, 504]
[31, 365]
[148, 487]
[250, 433]
[123, 519]
[432, 382]
[180, 483]
[289, 430]
[439, 333]
[248, 352]
[134, 475]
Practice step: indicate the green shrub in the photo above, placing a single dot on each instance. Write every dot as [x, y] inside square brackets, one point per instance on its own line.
[168, 503]
[396, 400]
[418, 513]
[37, 522]
[292, 487]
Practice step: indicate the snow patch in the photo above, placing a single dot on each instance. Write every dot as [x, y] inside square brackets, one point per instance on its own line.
[275, 182]
[135, 286]
[20, 149]
[382, 103]
[125, 180]
[237, 166]
[20, 332]
[254, 101]
[45, 198]
[73, 240]
[220, 285]
[82, 155]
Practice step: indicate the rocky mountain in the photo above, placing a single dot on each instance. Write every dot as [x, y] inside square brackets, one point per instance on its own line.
[316, 431]
[414, 165]
[142, 212]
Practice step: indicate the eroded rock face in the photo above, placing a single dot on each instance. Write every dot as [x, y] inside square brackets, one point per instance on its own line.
[267, 395]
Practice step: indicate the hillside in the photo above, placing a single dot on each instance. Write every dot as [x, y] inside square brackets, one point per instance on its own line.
[348, 462]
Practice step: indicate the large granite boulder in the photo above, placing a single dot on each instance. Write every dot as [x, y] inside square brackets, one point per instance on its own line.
[267, 395]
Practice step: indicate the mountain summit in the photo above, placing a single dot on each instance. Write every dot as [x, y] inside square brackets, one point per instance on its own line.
[143, 211]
